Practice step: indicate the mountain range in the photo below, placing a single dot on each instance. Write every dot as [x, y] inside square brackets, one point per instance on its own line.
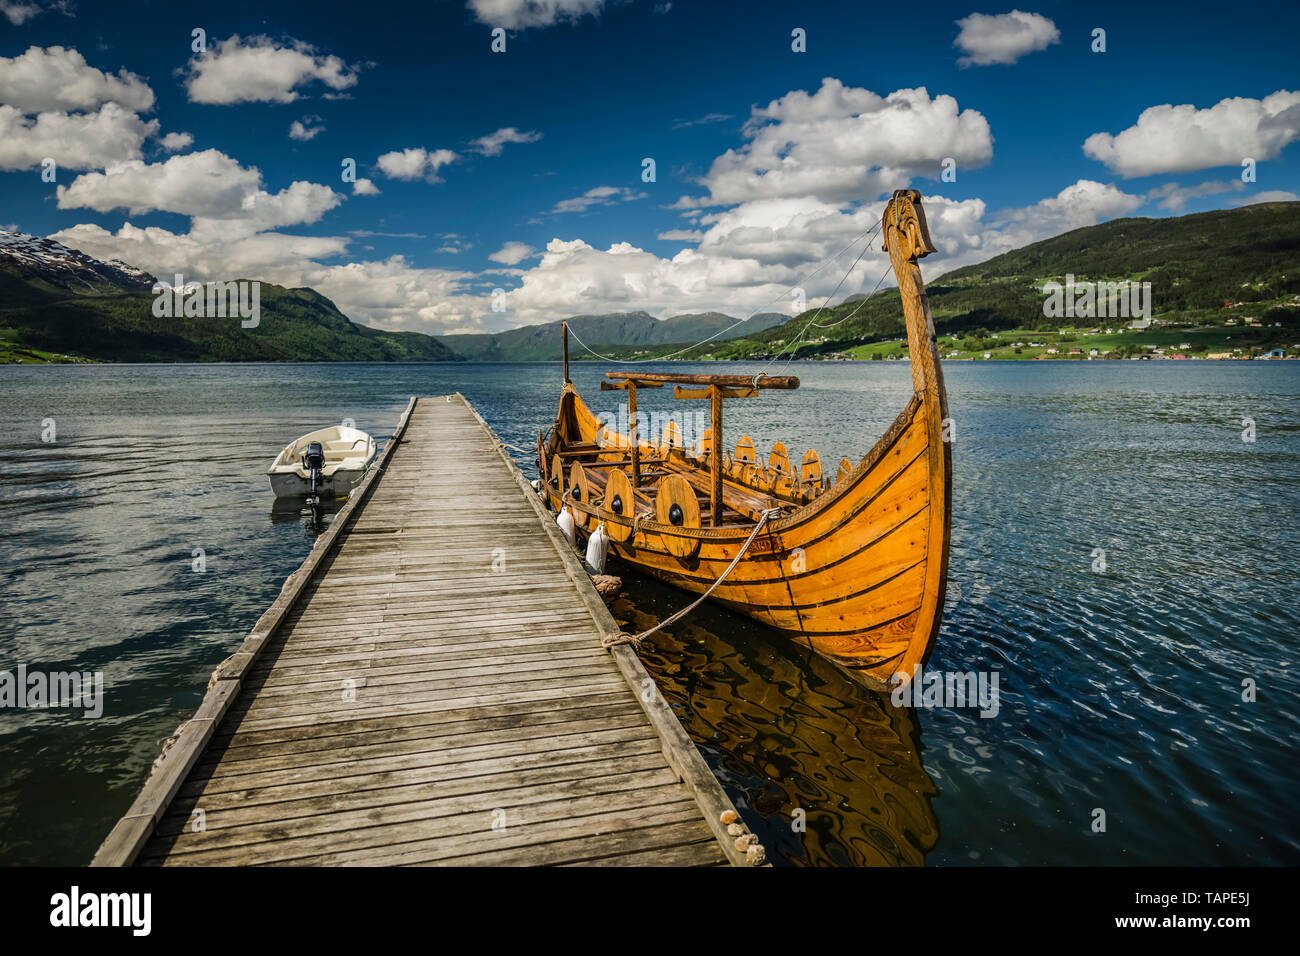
[58, 304]
[628, 330]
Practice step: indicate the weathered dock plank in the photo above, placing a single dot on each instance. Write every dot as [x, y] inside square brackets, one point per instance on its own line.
[402, 703]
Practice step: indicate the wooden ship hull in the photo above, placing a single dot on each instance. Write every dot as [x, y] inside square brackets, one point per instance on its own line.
[853, 565]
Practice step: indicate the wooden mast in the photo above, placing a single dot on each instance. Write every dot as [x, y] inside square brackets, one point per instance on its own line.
[634, 435]
[907, 239]
[564, 339]
[715, 454]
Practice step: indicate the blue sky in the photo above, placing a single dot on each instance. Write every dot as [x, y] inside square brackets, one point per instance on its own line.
[767, 160]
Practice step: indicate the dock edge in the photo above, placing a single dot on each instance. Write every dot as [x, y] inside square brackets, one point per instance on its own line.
[132, 831]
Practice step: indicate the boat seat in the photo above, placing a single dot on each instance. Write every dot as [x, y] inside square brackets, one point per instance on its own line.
[600, 478]
[581, 451]
[736, 498]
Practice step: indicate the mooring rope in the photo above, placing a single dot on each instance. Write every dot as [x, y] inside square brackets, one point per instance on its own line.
[636, 639]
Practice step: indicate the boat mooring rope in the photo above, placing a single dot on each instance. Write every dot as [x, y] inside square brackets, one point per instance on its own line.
[636, 639]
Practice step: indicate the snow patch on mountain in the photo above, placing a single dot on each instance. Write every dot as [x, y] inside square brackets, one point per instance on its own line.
[55, 263]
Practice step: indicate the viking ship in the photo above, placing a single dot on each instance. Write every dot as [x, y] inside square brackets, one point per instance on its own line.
[853, 564]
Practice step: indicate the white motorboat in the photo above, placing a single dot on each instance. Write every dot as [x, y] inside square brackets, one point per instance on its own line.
[323, 464]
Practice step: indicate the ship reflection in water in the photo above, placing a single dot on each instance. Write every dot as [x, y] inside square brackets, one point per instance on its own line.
[786, 731]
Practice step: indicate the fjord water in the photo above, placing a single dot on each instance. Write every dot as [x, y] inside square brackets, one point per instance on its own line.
[1121, 690]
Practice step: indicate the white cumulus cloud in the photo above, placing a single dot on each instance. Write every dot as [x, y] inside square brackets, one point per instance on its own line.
[1179, 139]
[494, 143]
[199, 256]
[598, 196]
[1085, 203]
[59, 79]
[753, 254]
[175, 142]
[390, 293]
[72, 140]
[513, 253]
[415, 163]
[19, 12]
[1175, 197]
[306, 128]
[207, 185]
[1003, 38]
[845, 144]
[257, 69]
[521, 14]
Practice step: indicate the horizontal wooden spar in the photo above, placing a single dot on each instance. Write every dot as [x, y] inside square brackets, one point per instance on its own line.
[612, 386]
[734, 381]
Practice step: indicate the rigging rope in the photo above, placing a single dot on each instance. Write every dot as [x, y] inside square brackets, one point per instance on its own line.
[799, 338]
[636, 639]
[661, 358]
[831, 325]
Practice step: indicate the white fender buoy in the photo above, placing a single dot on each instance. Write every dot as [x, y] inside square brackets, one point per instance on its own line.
[598, 549]
[537, 485]
[565, 521]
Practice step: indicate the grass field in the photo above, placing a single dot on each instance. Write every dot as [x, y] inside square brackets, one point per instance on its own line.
[13, 354]
[1121, 343]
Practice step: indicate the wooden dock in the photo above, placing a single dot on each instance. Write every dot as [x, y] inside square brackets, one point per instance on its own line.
[430, 688]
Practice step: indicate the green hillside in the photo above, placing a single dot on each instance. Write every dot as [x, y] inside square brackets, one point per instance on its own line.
[41, 322]
[1195, 265]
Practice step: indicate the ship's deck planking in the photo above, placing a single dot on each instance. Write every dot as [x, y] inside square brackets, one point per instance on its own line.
[403, 702]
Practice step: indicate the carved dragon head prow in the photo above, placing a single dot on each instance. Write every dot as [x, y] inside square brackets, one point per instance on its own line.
[905, 219]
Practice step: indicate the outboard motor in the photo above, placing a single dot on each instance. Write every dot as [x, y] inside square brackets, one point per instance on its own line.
[313, 460]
